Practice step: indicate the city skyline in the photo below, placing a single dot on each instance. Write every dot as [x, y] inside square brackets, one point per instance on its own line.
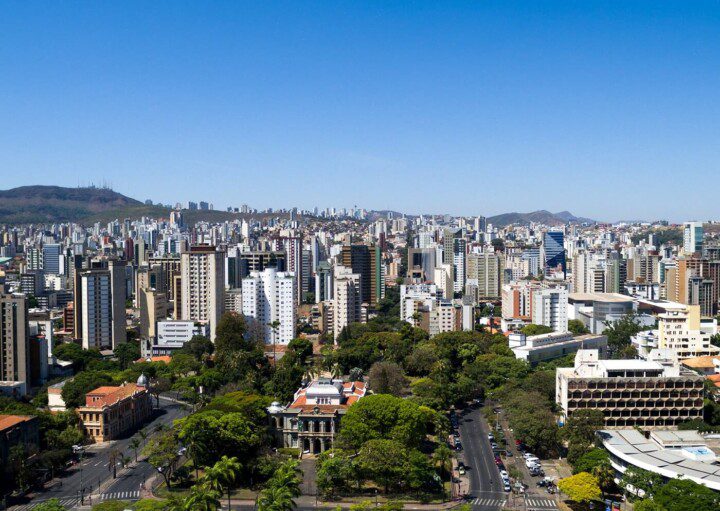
[472, 109]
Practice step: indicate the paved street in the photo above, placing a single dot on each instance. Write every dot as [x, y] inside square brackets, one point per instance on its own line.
[95, 470]
[485, 483]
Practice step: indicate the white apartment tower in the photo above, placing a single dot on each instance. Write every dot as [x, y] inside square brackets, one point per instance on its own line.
[550, 308]
[269, 299]
[346, 298]
[202, 271]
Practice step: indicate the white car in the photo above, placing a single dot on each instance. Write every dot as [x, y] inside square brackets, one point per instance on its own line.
[531, 464]
[504, 474]
[528, 455]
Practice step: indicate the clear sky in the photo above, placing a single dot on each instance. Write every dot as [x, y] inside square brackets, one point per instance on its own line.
[607, 109]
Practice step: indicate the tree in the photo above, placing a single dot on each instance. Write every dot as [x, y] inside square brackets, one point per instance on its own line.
[442, 457]
[383, 461]
[74, 353]
[209, 434]
[383, 416]
[158, 386]
[686, 495]
[127, 353]
[648, 505]
[533, 329]
[582, 487]
[74, 390]
[230, 332]
[222, 475]
[202, 498]
[580, 430]
[50, 505]
[162, 453]
[591, 459]
[135, 444]
[620, 332]
[281, 488]
[199, 347]
[641, 479]
[577, 327]
[387, 378]
[183, 364]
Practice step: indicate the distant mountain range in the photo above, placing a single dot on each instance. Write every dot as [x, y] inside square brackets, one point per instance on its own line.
[541, 216]
[50, 204]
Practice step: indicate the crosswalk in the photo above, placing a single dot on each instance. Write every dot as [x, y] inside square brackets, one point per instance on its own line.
[121, 495]
[540, 504]
[66, 502]
[488, 502]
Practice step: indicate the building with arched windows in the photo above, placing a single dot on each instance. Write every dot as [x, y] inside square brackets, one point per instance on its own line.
[311, 422]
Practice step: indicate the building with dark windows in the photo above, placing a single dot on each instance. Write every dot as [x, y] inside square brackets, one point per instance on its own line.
[554, 252]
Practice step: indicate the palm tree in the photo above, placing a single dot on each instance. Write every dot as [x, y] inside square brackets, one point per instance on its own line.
[134, 444]
[275, 499]
[287, 476]
[442, 457]
[143, 435]
[222, 475]
[202, 498]
[274, 325]
[336, 371]
[114, 456]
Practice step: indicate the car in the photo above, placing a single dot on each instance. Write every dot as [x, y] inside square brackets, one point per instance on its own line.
[491, 437]
[458, 446]
[506, 486]
[508, 453]
[531, 464]
[504, 474]
[494, 445]
[461, 469]
[527, 455]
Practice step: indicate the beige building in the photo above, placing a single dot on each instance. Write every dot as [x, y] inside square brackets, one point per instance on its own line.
[153, 308]
[346, 298]
[680, 331]
[202, 270]
[14, 339]
[111, 411]
[644, 393]
[485, 270]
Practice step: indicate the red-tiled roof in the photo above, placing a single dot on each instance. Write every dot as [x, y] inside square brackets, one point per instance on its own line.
[8, 421]
[106, 396]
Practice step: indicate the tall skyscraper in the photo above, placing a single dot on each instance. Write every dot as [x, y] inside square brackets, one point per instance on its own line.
[51, 258]
[14, 339]
[554, 252]
[202, 271]
[269, 300]
[693, 235]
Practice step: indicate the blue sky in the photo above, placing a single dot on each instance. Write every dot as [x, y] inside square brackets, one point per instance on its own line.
[607, 109]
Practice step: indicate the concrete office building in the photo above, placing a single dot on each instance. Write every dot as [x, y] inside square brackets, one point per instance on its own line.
[553, 251]
[153, 308]
[651, 394]
[486, 270]
[269, 296]
[541, 348]
[202, 271]
[693, 237]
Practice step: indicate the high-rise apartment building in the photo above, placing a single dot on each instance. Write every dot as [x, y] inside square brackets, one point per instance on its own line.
[550, 308]
[202, 271]
[346, 298]
[14, 339]
[100, 304]
[153, 308]
[51, 258]
[485, 270]
[269, 300]
[366, 261]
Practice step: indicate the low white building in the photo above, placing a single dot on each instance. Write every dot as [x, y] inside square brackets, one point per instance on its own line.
[670, 454]
[172, 336]
[540, 348]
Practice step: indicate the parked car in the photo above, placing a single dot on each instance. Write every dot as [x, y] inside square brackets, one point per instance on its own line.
[491, 437]
[458, 446]
[461, 469]
[506, 486]
[504, 474]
